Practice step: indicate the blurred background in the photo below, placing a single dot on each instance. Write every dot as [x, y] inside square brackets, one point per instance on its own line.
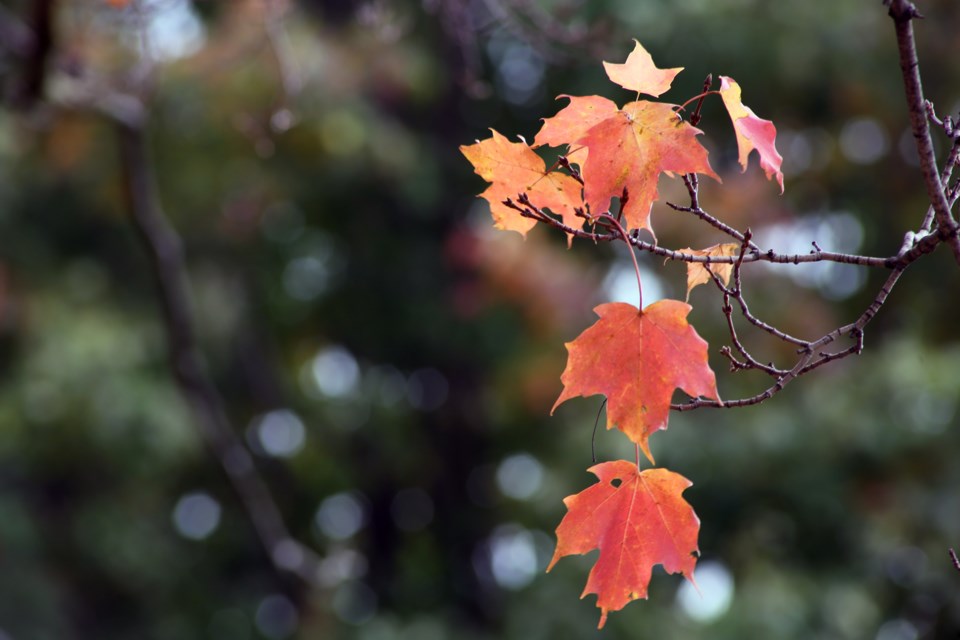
[389, 360]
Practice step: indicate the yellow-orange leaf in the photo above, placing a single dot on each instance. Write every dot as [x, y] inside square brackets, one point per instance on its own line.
[637, 520]
[631, 148]
[699, 273]
[639, 73]
[513, 168]
[752, 132]
[637, 359]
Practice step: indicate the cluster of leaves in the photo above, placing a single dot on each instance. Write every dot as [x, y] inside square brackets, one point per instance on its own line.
[635, 357]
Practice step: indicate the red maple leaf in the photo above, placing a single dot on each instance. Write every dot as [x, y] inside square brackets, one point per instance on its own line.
[752, 132]
[625, 148]
[637, 359]
[637, 520]
[630, 149]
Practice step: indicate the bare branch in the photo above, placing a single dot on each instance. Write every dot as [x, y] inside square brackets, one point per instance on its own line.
[694, 208]
[692, 183]
[750, 361]
[903, 12]
[952, 159]
[31, 83]
[810, 356]
[737, 292]
[165, 249]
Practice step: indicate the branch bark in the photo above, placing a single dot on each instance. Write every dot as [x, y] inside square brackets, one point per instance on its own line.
[165, 250]
[903, 13]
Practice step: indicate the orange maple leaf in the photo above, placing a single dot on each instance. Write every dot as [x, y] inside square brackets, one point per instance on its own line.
[637, 359]
[752, 132]
[572, 123]
[699, 273]
[630, 149]
[639, 73]
[637, 520]
[514, 168]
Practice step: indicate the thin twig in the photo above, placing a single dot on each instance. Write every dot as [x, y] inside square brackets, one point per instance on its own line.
[692, 183]
[737, 292]
[810, 357]
[695, 116]
[694, 208]
[952, 159]
[574, 172]
[745, 309]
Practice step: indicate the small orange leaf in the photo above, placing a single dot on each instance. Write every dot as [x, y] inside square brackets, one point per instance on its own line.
[637, 520]
[639, 73]
[699, 273]
[637, 359]
[752, 132]
[513, 168]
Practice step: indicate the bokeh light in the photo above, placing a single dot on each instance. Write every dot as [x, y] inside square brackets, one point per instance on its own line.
[716, 591]
[196, 515]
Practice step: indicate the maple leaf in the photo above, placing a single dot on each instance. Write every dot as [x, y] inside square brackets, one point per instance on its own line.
[752, 132]
[572, 123]
[637, 359]
[513, 168]
[630, 149]
[637, 520]
[639, 73]
[699, 273]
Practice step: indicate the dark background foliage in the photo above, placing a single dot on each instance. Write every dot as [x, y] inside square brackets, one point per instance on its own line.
[391, 360]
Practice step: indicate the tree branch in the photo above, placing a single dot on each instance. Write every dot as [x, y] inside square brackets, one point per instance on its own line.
[165, 250]
[30, 86]
[903, 12]
[952, 159]
[810, 356]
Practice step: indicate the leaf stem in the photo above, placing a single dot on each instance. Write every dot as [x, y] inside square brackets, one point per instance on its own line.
[699, 96]
[633, 256]
[593, 438]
